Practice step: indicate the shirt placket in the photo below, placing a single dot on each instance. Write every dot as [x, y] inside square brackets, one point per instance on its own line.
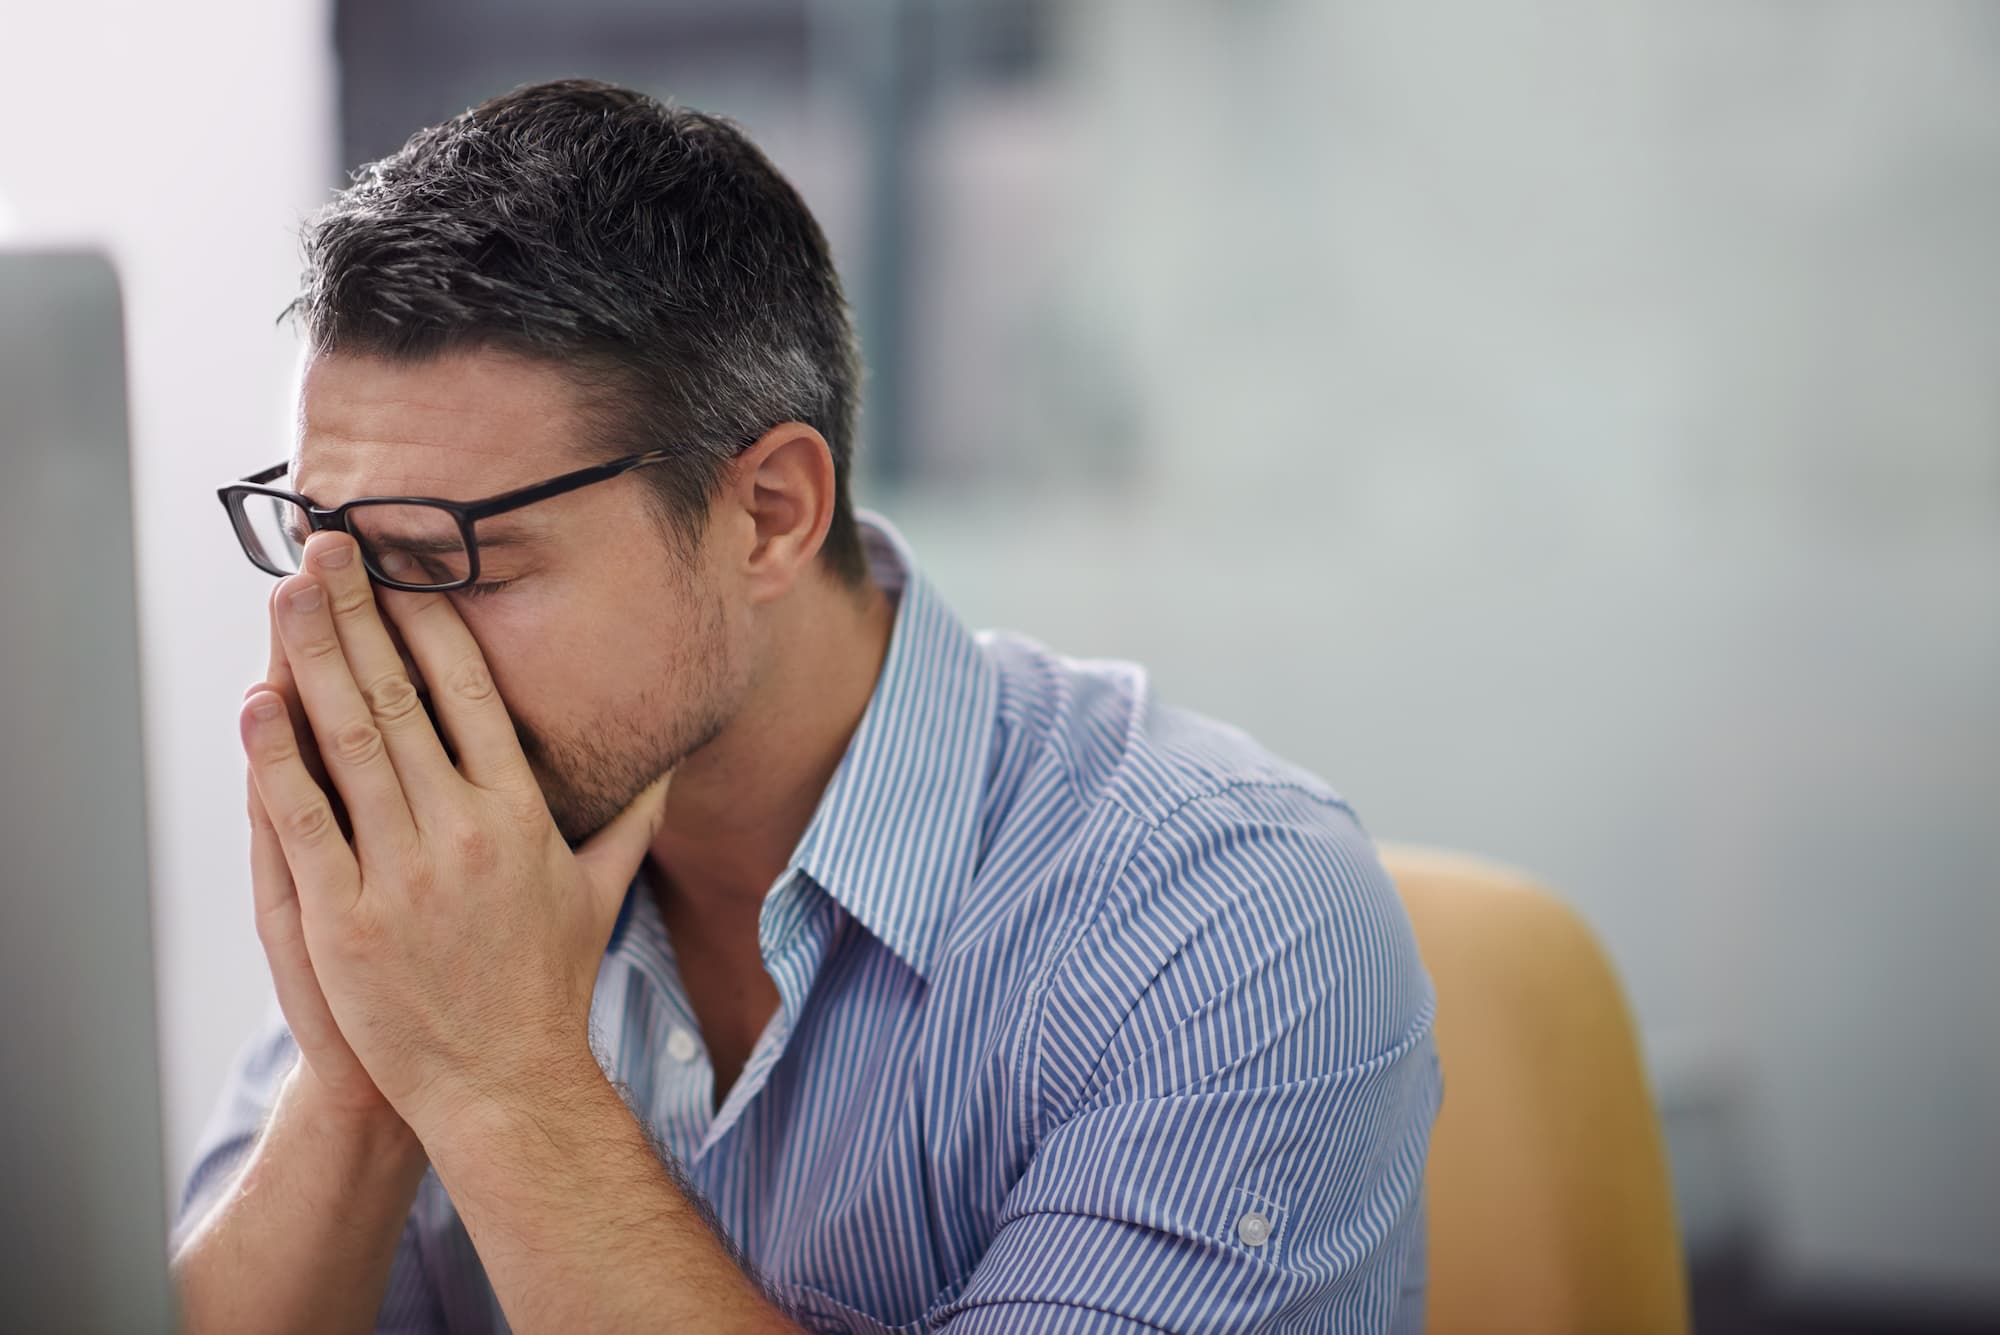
[647, 1022]
[793, 934]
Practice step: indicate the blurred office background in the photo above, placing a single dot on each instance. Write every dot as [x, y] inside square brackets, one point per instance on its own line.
[1572, 428]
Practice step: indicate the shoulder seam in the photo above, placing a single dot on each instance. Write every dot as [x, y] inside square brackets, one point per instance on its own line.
[1155, 822]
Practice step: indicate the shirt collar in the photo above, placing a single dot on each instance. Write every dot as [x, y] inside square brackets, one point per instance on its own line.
[896, 834]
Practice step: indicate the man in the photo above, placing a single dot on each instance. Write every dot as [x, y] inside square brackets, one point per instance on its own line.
[680, 921]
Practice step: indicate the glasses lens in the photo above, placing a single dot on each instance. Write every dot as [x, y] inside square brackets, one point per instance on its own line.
[273, 530]
[411, 544]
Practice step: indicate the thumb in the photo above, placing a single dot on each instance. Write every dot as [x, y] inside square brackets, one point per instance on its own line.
[610, 857]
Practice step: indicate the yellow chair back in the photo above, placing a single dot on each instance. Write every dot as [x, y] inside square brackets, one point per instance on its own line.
[1549, 1204]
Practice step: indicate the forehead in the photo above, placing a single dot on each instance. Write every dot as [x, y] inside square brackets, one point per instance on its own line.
[460, 426]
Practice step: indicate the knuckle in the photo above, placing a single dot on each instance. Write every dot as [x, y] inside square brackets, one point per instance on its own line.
[351, 602]
[471, 680]
[525, 803]
[357, 743]
[320, 648]
[277, 747]
[471, 845]
[419, 873]
[392, 698]
[310, 824]
[365, 934]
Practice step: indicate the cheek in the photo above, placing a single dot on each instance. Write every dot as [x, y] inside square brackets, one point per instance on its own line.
[561, 658]
[523, 642]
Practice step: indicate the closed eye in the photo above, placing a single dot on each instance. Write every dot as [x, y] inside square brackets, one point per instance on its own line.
[484, 587]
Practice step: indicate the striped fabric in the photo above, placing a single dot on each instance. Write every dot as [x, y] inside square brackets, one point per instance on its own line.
[1094, 1017]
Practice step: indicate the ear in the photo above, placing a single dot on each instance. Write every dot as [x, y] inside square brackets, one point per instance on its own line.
[784, 484]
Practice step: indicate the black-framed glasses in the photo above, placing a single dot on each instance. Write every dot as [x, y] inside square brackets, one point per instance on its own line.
[416, 543]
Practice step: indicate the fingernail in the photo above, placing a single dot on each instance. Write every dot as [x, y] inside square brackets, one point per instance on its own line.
[334, 556]
[267, 708]
[395, 563]
[305, 599]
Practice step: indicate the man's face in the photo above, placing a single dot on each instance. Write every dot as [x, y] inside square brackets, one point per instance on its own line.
[615, 657]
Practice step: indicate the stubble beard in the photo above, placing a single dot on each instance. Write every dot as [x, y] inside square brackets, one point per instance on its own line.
[588, 779]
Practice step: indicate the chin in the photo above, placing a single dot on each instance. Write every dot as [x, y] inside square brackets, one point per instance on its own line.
[578, 816]
[576, 831]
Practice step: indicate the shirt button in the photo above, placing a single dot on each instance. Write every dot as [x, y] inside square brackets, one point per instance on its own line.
[681, 1045]
[1254, 1229]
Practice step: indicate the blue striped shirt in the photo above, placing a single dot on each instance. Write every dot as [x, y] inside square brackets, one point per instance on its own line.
[1093, 1017]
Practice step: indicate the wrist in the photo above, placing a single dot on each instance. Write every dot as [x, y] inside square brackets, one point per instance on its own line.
[373, 1134]
[472, 1119]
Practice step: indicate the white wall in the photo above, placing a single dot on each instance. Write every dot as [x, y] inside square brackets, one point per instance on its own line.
[187, 139]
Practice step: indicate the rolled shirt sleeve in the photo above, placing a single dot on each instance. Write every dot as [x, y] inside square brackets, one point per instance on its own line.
[1241, 1078]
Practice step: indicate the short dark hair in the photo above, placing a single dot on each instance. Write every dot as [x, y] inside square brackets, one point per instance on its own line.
[650, 251]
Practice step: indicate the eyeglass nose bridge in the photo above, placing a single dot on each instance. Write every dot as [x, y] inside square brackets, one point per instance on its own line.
[330, 521]
[320, 520]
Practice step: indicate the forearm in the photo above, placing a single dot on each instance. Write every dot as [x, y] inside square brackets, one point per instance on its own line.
[580, 1225]
[303, 1238]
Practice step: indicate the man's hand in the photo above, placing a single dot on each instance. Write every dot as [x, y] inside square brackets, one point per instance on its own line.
[455, 939]
[341, 1083]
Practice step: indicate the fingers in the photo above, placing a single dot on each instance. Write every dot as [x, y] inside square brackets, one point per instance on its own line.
[278, 677]
[376, 669]
[351, 744]
[614, 853]
[309, 837]
[468, 705]
[270, 877]
[281, 930]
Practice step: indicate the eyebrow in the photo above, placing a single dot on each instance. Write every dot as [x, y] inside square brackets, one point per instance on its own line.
[416, 546]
